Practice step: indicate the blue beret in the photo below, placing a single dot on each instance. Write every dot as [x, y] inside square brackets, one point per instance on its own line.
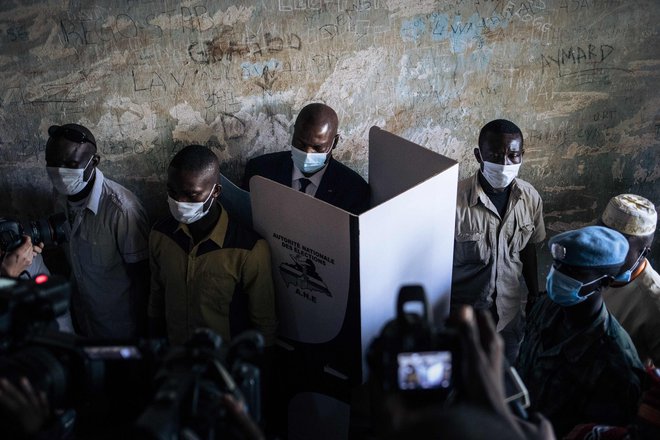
[593, 246]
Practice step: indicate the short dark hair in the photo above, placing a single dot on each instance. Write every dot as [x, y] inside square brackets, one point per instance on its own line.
[500, 126]
[195, 158]
[72, 132]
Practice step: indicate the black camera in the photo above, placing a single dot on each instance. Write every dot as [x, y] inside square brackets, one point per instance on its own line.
[110, 384]
[47, 230]
[191, 385]
[28, 308]
[411, 357]
[71, 370]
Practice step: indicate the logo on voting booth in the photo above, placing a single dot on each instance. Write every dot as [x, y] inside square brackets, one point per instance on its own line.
[302, 274]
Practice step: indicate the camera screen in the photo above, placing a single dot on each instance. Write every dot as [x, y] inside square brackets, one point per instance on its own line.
[424, 370]
[113, 352]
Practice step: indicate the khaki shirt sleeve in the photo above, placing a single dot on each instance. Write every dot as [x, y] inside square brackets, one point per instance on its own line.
[157, 289]
[539, 225]
[257, 280]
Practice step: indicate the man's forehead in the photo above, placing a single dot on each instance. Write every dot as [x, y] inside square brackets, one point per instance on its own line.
[65, 147]
[191, 177]
[314, 129]
[502, 141]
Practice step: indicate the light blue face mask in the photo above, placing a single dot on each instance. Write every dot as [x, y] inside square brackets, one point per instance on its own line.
[308, 163]
[564, 290]
[626, 276]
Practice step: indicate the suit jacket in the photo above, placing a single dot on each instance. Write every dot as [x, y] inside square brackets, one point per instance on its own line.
[340, 185]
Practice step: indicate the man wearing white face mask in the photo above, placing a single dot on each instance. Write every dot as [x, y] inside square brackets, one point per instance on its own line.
[107, 230]
[206, 269]
[499, 220]
[309, 166]
[634, 297]
[578, 363]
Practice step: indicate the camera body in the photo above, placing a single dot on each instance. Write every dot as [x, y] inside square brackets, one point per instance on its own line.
[27, 307]
[49, 230]
[71, 370]
[112, 384]
[191, 384]
[411, 357]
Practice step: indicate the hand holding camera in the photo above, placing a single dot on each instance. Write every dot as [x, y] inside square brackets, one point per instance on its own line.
[424, 375]
[482, 375]
[27, 406]
[14, 263]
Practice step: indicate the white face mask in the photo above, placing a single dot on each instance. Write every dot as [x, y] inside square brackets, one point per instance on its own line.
[308, 162]
[68, 181]
[500, 176]
[188, 212]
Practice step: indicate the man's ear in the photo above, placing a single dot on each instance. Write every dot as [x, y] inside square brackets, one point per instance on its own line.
[335, 142]
[88, 173]
[216, 191]
[477, 155]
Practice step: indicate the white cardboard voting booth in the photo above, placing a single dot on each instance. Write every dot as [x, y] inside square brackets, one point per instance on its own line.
[337, 275]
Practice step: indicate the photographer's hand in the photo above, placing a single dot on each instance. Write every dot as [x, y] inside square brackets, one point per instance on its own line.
[243, 420]
[27, 406]
[37, 249]
[482, 372]
[18, 260]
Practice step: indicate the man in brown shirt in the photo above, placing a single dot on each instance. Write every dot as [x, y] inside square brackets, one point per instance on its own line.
[499, 219]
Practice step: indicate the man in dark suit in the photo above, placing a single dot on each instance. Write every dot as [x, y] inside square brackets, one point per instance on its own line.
[316, 172]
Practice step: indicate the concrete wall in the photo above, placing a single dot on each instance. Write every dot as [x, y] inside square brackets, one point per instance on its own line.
[579, 77]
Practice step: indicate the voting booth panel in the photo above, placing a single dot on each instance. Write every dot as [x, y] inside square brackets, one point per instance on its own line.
[310, 249]
[315, 273]
[396, 165]
[337, 275]
[408, 237]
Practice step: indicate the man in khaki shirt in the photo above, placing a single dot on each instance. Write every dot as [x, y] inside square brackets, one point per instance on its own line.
[206, 269]
[499, 219]
[634, 298]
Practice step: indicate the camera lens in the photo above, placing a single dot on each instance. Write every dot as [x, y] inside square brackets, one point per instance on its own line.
[38, 230]
[46, 230]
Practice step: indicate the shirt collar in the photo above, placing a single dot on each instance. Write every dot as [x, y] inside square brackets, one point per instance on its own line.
[577, 344]
[94, 197]
[477, 192]
[218, 232]
[314, 179]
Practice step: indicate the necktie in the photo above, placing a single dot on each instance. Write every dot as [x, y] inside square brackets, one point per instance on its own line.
[303, 184]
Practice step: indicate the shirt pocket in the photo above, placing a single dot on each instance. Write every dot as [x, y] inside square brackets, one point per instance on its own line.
[100, 252]
[523, 230]
[471, 248]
